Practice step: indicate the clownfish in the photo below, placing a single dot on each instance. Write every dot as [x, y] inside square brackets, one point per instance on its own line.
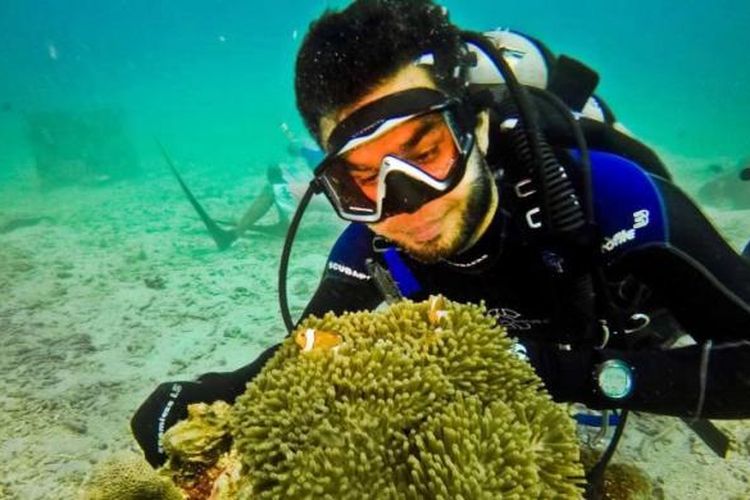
[437, 310]
[311, 339]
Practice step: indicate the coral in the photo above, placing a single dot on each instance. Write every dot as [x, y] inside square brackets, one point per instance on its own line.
[128, 477]
[217, 480]
[407, 406]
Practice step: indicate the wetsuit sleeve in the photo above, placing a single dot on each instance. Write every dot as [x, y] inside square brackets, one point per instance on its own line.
[168, 403]
[346, 284]
[695, 273]
[653, 231]
[650, 229]
[707, 381]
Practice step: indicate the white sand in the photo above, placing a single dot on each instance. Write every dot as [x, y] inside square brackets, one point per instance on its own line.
[122, 290]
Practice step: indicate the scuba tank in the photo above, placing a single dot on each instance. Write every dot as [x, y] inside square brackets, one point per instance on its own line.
[529, 60]
[533, 65]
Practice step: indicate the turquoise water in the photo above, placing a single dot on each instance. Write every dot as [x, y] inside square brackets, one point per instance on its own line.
[107, 289]
[214, 79]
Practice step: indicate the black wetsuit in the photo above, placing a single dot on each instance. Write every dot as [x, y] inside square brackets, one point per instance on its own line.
[659, 253]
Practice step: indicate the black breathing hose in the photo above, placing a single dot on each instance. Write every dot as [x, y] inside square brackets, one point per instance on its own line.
[312, 188]
[521, 98]
[595, 476]
[585, 160]
[580, 139]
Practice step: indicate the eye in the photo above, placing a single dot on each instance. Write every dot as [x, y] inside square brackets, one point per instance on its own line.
[425, 156]
[365, 178]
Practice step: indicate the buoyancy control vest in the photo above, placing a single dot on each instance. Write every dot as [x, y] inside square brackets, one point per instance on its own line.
[544, 118]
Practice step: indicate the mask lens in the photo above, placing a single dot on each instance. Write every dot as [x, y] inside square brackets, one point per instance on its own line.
[426, 143]
[348, 195]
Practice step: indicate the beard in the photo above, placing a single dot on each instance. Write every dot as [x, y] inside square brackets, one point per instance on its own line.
[478, 204]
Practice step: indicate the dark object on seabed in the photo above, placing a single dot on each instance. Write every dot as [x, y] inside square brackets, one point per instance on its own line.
[711, 435]
[81, 148]
[730, 188]
[11, 225]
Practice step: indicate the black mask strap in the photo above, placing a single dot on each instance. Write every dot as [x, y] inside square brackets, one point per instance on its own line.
[371, 116]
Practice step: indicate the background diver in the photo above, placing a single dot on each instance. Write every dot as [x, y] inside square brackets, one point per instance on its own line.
[459, 180]
[280, 192]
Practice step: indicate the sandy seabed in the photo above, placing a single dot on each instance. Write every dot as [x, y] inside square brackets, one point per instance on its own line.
[117, 288]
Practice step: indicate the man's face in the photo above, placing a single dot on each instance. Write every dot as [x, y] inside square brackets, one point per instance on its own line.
[445, 225]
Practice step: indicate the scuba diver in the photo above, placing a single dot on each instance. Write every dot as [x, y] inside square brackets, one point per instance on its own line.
[281, 192]
[482, 167]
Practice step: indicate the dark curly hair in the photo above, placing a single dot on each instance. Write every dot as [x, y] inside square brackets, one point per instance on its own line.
[346, 54]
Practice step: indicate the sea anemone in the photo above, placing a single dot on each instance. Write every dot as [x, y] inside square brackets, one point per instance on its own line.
[407, 406]
[420, 400]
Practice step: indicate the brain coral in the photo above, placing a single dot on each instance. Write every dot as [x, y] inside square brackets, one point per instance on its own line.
[410, 405]
[128, 477]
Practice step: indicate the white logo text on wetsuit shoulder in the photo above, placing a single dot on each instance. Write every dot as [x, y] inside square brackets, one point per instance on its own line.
[514, 320]
[640, 220]
[348, 271]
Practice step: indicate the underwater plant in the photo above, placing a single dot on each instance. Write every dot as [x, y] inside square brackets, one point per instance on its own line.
[420, 400]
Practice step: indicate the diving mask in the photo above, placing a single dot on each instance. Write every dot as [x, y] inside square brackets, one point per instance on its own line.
[396, 154]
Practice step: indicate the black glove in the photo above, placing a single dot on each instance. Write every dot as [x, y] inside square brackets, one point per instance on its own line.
[168, 404]
[162, 409]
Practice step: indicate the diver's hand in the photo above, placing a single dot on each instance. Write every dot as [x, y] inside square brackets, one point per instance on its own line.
[166, 406]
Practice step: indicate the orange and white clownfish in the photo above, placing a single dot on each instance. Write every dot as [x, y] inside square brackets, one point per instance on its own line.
[311, 339]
